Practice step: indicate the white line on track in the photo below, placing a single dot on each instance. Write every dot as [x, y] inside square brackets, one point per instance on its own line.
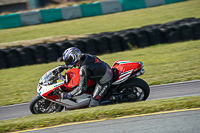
[176, 83]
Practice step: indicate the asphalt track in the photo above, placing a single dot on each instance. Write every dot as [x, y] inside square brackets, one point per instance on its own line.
[180, 89]
[178, 121]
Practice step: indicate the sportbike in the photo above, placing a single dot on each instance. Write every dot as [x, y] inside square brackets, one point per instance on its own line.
[126, 87]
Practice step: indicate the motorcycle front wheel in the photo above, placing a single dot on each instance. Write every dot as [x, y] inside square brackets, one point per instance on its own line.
[39, 105]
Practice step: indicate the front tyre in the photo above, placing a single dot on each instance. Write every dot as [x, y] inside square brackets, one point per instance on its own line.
[134, 90]
[39, 105]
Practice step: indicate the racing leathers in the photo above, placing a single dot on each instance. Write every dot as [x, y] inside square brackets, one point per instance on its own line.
[91, 67]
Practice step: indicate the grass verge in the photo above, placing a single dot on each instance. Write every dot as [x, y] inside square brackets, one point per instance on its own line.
[166, 63]
[101, 112]
[104, 23]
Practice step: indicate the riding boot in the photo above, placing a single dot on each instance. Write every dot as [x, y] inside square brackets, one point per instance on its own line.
[93, 103]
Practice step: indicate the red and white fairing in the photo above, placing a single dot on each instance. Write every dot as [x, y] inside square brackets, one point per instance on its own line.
[72, 79]
[47, 89]
[125, 69]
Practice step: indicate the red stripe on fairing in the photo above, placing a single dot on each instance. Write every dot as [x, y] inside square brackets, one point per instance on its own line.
[124, 75]
[54, 97]
[121, 79]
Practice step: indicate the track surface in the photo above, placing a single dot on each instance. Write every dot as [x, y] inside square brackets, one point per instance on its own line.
[157, 92]
[176, 122]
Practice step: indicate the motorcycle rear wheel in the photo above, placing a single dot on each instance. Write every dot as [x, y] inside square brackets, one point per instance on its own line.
[39, 105]
[134, 90]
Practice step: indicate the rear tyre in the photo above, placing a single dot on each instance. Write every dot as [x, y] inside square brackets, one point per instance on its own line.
[39, 105]
[134, 90]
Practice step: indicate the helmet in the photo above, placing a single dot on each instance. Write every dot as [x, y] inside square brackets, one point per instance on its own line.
[71, 56]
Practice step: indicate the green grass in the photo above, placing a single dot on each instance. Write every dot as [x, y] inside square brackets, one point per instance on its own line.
[101, 112]
[103, 23]
[164, 63]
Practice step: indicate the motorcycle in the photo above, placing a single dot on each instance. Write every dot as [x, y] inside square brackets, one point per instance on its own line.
[126, 87]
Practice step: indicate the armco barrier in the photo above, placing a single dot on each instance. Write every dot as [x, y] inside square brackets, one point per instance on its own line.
[111, 6]
[172, 1]
[132, 4]
[31, 18]
[150, 3]
[51, 15]
[92, 9]
[71, 12]
[10, 21]
[106, 42]
[77, 11]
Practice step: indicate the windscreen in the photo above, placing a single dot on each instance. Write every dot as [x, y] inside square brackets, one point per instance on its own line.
[48, 78]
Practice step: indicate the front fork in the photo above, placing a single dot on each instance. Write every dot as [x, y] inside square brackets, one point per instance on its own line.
[47, 104]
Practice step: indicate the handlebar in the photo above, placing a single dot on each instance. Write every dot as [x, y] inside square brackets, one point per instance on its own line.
[58, 73]
[65, 67]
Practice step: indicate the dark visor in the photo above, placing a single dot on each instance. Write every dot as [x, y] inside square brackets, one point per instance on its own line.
[69, 60]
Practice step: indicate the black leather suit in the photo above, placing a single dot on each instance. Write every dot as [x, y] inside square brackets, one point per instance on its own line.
[91, 67]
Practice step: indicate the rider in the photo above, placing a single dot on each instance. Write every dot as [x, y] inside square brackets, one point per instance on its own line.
[90, 67]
